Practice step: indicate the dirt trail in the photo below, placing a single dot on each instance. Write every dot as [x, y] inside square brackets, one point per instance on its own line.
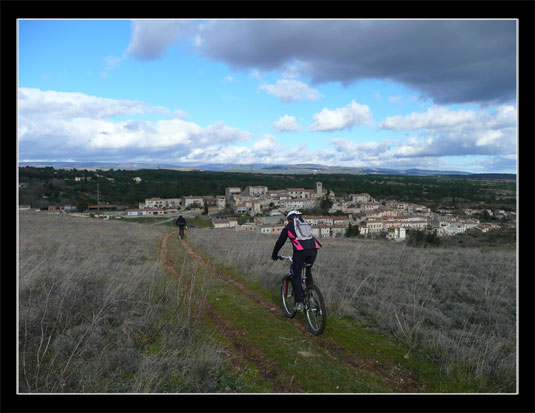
[242, 351]
[400, 379]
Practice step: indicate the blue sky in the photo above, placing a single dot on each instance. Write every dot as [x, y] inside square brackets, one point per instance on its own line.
[437, 94]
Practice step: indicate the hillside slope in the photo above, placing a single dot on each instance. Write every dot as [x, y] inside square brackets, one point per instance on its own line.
[453, 307]
[112, 307]
[285, 356]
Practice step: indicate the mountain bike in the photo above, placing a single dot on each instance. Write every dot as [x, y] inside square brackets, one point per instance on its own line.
[313, 304]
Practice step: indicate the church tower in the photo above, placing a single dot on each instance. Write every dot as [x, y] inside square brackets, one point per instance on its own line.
[319, 189]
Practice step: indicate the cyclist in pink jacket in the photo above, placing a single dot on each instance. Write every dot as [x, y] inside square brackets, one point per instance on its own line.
[305, 249]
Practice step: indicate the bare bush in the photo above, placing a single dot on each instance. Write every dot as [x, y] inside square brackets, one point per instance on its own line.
[458, 306]
[97, 312]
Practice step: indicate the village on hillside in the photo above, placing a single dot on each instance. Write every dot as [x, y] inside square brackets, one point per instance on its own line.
[266, 212]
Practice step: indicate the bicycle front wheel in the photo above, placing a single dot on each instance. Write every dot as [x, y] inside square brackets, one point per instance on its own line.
[287, 297]
[315, 310]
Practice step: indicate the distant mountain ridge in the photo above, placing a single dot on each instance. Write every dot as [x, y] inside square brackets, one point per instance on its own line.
[258, 168]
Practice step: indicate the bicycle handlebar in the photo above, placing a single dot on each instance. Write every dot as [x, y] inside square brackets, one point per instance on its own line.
[282, 257]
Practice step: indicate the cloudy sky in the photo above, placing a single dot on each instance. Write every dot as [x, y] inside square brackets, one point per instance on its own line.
[431, 94]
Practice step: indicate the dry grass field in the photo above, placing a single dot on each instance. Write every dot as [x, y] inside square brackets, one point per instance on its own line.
[456, 307]
[98, 313]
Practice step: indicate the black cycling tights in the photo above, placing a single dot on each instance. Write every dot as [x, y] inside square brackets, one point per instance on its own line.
[299, 259]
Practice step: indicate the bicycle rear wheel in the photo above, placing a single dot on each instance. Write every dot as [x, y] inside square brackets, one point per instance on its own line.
[315, 310]
[287, 297]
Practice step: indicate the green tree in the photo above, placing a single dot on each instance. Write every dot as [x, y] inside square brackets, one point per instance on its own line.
[243, 219]
[484, 216]
[81, 205]
[418, 238]
[325, 205]
[352, 231]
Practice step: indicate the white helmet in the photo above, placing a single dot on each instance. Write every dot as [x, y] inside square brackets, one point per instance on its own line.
[294, 212]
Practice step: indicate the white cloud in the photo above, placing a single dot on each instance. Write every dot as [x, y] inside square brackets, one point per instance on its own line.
[342, 118]
[286, 124]
[264, 147]
[179, 113]
[434, 117]
[59, 124]
[362, 150]
[52, 104]
[289, 90]
[438, 117]
[447, 132]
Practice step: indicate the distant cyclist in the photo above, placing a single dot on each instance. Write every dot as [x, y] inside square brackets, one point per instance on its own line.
[181, 223]
[305, 249]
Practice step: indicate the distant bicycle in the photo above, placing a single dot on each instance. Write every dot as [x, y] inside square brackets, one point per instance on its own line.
[313, 304]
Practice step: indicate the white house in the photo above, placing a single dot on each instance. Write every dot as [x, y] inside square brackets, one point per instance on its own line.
[240, 208]
[288, 205]
[246, 227]
[220, 202]
[338, 230]
[256, 190]
[369, 206]
[264, 229]
[297, 193]
[162, 203]
[136, 212]
[270, 228]
[397, 233]
[193, 200]
[318, 219]
[325, 230]
[231, 191]
[360, 198]
[375, 226]
[154, 202]
[342, 221]
[220, 223]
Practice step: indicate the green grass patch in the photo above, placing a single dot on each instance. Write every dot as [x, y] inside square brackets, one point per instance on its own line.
[199, 222]
[313, 369]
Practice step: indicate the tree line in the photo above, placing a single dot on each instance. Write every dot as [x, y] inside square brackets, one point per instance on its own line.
[44, 186]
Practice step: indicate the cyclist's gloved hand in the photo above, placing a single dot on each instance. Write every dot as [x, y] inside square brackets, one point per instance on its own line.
[274, 257]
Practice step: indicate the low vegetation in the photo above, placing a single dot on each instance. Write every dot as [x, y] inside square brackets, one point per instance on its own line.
[98, 313]
[456, 307]
[120, 307]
